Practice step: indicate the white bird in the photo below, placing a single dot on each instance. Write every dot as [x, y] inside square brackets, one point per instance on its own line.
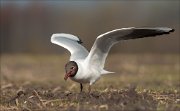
[88, 67]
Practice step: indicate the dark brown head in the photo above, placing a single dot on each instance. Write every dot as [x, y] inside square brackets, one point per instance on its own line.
[71, 69]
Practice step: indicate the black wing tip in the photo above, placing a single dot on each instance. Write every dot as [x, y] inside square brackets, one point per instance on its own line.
[169, 31]
[79, 41]
[172, 30]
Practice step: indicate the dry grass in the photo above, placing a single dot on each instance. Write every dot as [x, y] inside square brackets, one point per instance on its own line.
[143, 82]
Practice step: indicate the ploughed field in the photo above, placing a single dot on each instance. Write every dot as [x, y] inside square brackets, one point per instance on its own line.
[141, 82]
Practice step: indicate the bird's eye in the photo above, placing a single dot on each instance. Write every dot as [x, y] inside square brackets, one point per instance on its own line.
[72, 67]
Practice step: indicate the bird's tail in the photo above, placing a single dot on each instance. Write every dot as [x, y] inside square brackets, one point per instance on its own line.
[106, 72]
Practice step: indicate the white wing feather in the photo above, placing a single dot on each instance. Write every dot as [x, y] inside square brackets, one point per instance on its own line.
[104, 42]
[70, 42]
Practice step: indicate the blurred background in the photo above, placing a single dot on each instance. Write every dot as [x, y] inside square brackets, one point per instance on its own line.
[26, 26]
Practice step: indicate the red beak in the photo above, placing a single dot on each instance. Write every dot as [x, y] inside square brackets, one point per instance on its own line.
[67, 75]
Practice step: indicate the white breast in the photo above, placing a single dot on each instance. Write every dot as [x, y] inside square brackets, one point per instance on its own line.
[86, 74]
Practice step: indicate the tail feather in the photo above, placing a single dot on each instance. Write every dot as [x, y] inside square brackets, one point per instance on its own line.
[106, 72]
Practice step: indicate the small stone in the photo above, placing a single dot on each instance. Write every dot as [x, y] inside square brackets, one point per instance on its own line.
[105, 106]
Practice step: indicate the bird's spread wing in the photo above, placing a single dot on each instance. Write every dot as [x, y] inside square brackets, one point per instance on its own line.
[104, 42]
[71, 43]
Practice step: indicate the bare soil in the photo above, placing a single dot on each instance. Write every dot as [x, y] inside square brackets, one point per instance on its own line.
[31, 83]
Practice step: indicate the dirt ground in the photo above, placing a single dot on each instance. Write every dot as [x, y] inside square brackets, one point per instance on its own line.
[142, 83]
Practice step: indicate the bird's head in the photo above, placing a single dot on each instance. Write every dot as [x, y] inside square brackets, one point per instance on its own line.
[71, 69]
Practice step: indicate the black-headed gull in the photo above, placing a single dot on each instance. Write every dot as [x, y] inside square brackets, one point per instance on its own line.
[87, 67]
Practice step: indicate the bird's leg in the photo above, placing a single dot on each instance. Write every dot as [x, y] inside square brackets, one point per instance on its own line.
[81, 86]
[89, 89]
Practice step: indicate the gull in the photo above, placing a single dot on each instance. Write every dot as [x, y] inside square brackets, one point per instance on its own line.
[88, 67]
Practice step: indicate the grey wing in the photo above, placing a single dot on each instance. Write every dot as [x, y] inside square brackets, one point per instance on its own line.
[72, 44]
[104, 42]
